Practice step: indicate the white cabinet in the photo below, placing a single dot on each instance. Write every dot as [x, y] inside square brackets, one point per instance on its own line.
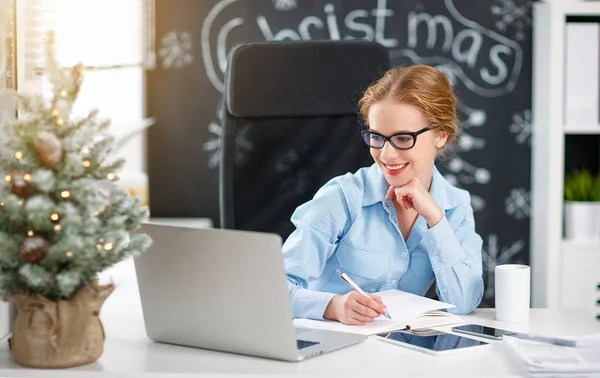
[556, 280]
[580, 276]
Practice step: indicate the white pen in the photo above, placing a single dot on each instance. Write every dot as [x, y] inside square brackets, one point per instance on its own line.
[351, 283]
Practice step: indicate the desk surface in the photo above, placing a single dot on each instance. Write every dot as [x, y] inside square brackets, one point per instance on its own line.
[129, 353]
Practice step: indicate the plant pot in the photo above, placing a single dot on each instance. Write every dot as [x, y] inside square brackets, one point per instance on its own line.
[61, 334]
[582, 220]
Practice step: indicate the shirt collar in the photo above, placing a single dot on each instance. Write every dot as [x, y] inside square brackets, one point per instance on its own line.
[376, 188]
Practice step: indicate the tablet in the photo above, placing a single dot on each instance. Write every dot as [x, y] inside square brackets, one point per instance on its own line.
[439, 344]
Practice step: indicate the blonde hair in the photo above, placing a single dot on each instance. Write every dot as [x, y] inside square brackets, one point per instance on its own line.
[419, 85]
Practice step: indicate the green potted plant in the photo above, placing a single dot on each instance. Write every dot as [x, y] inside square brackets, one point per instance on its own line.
[582, 205]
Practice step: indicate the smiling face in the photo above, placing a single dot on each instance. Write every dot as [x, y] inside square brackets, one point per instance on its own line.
[400, 166]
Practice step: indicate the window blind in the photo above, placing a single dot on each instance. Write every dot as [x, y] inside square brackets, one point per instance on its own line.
[100, 34]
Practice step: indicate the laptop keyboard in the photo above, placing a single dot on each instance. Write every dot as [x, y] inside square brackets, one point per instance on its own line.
[305, 343]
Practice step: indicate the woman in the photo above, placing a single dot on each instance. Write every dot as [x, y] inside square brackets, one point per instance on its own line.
[397, 224]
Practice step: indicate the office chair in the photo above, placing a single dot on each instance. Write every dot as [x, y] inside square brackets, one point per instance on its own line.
[290, 124]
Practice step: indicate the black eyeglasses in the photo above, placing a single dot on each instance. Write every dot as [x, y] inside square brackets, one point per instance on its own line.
[400, 141]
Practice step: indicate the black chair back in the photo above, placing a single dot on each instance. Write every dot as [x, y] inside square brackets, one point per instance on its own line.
[290, 124]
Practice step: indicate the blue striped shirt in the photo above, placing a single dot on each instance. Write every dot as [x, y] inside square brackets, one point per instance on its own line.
[349, 225]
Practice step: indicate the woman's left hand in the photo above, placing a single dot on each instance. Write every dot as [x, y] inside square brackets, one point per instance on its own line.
[415, 195]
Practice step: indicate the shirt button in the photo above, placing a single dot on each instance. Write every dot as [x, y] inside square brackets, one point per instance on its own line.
[395, 221]
[387, 204]
[393, 281]
[403, 254]
[437, 258]
[431, 243]
[444, 290]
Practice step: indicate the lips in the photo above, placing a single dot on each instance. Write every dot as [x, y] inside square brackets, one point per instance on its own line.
[395, 169]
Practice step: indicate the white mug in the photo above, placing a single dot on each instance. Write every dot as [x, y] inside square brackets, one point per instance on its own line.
[512, 287]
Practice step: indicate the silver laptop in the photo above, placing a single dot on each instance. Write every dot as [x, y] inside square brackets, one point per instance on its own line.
[224, 290]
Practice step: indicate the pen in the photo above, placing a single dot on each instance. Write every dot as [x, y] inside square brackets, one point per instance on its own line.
[351, 283]
[546, 339]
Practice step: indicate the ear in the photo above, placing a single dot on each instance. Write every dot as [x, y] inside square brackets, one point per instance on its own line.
[442, 138]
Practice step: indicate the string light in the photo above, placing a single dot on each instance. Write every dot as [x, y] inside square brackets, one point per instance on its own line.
[26, 177]
[1, 203]
[21, 203]
[55, 112]
[18, 155]
[110, 176]
[54, 216]
[65, 194]
[57, 227]
[69, 254]
[82, 72]
[63, 93]
[87, 163]
[29, 233]
[85, 151]
[98, 246]
[60, 122]
[7, 178]
[108, 246]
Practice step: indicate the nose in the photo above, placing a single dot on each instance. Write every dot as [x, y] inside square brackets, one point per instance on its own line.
[388, 152]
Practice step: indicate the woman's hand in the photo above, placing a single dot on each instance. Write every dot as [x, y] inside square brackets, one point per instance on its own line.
[415, 195]
[354, 308]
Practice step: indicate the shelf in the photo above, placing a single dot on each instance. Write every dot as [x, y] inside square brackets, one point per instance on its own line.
[582, 129]
[578, 8]
[577, 246]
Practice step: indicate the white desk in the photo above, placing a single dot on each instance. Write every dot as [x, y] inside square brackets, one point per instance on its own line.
[129, 353]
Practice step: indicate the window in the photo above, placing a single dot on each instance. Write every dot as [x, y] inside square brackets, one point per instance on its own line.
[109, 37]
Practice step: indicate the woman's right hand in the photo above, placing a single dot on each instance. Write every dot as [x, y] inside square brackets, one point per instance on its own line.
[354, 308]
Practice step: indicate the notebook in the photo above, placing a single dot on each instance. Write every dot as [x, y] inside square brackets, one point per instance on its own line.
[408, 312]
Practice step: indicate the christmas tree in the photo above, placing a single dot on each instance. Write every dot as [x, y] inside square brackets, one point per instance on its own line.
[63, 216]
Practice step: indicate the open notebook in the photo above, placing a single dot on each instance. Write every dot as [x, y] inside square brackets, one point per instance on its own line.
[408, 311]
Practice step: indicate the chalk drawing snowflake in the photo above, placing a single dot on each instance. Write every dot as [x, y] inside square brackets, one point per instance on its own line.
[474, 117]
[213, 144]
[493, 254]
[284, 5]
[467, 173]
[176, 50]
[467, 142]
[518, 203]
[516, 13]
[521, 126]
[477, 203]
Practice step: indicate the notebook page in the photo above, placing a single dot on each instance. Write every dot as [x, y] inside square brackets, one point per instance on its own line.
[406, 306]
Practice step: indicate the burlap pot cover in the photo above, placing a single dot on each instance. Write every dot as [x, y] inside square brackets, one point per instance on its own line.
[66, 333]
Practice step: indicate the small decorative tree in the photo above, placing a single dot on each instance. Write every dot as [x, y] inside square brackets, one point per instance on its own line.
[63, 219]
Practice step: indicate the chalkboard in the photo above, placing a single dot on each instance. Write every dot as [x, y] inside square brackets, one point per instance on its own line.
[484, 47]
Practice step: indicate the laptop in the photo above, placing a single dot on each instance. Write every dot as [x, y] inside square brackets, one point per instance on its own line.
[224, 290]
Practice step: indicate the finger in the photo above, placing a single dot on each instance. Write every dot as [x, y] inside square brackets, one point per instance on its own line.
[361, 318]
[366, 311]
[368, 306]
[377, 298]
[390, 193]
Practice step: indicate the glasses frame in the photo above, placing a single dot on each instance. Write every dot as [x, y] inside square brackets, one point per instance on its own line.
[413, 134]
